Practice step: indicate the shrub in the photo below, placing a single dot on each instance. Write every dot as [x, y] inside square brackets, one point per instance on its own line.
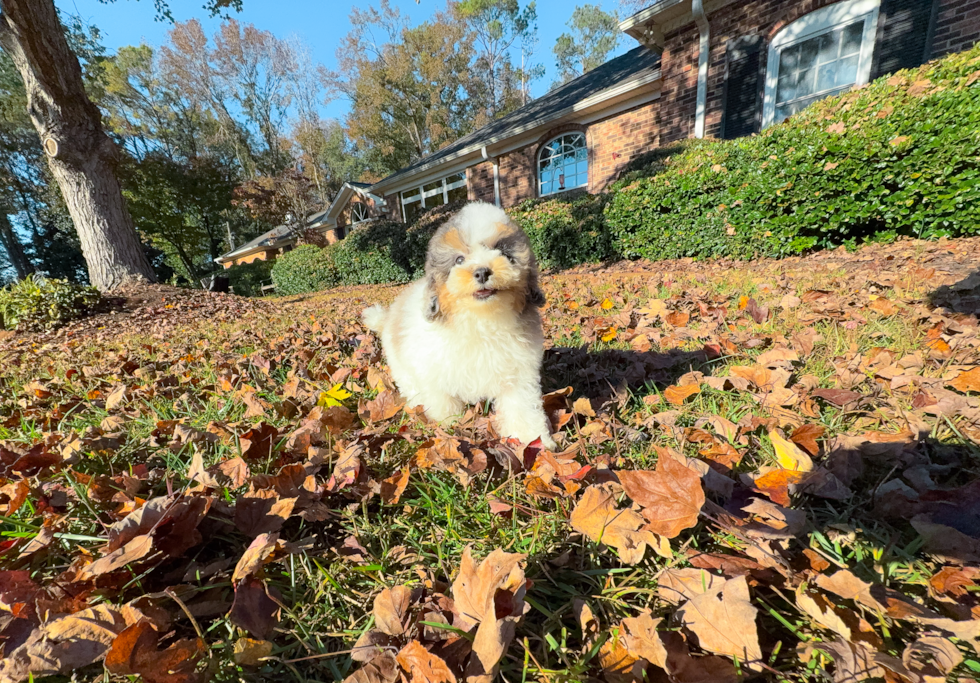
[37, 303]
[898, 157]
[246, 279]
[306, 268]
[568, 230]
[371, 254]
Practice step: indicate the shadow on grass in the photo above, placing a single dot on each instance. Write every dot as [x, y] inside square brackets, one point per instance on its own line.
[961, 297]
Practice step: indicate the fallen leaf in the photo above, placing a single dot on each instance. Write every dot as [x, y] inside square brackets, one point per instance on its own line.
[391, 608]
[254, 609]
[723, 619]
[788, 455]
[677, 585]
[251, 652]
[596, 516]
[134, 651]
[671, 495]
[678, 394]
[967, 381]
[421, 666]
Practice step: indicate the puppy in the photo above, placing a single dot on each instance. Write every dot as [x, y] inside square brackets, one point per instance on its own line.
[470, 329]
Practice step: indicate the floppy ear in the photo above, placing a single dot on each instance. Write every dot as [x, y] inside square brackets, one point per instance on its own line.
[431, 312]
[534, 295]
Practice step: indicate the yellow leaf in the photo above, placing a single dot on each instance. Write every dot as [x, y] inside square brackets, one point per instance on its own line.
[610, 334]
[607, 304]
[333, 396]
[789, 455]
[743, 301]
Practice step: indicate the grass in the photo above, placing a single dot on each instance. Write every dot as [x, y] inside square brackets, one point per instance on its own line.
[326, 600]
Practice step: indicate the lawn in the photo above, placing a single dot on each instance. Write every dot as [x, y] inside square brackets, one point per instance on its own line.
[767, 470]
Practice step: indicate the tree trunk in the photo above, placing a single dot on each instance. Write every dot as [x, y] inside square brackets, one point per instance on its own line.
[80, 154]
[15, 250]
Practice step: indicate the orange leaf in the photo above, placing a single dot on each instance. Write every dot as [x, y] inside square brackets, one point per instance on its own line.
[776, 484]
[678, 394]
[671, 495]
[966, 381]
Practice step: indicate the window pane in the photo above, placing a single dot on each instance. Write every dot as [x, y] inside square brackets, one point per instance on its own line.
[790, 59]
[412, 210]
[827, 47]
[848, 70]
[808, 53]
[458, 194]
[806, 83]
[852, 39]
[826, 77]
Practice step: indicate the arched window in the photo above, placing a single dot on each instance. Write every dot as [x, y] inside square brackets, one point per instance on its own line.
[358, 212]
[563, 164]
[820, 54]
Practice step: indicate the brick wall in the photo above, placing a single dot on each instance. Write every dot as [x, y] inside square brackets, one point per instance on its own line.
[957, 26]
[616, 141]
[517, 178]
[479, 182]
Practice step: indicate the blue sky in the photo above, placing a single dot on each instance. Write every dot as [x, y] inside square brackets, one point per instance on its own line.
[319, 24]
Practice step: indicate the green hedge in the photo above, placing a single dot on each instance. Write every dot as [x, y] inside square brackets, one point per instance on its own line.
[39, 303]
[307, 268]
[898, 157]
[247, 279]
[568, 230]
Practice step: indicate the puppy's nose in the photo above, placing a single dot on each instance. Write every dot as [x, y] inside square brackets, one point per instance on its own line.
[482, 275]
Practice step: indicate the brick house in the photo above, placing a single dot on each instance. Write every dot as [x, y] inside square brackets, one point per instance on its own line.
[353, 204]
[703, 68]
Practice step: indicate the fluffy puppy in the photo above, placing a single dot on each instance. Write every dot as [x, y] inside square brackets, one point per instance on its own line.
[470, 329]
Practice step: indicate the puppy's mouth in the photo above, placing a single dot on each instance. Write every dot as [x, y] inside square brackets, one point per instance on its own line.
[482, 294]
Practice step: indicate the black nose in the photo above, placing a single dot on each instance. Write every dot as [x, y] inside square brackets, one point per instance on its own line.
[482, 275]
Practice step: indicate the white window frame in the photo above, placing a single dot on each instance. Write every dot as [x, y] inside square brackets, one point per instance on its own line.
[544, 148]
[419, 195]
[823, 20]
[366, 213]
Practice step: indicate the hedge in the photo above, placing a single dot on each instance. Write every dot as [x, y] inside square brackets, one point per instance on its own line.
[246, 279]
[900, 157]
[307, 268]
[39, 303]
[567, 230]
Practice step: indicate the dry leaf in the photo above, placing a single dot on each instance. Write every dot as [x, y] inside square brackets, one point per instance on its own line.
[788, 455]
[391, 608]
[723, 619]
[678, 394]
[596, 516]
[421, 666]
[671, 496]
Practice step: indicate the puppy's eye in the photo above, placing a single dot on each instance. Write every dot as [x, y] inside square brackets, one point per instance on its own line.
[510, 257]
[460, 259]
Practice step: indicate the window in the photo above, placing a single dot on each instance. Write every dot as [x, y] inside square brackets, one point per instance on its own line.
[358, 212]
[821, 54]
[449, 189]
[563, 164]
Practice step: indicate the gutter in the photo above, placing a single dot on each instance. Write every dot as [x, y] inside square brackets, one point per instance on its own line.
[697, 9]
[496, 174]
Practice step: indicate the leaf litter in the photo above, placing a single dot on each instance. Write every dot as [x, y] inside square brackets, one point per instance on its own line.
[765, 470]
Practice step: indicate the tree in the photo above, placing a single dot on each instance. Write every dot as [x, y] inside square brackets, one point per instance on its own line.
[409, 88]
[595, 33]
[498, 26]
[80, 155]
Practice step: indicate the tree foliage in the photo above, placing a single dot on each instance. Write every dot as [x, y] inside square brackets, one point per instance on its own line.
[595, 33]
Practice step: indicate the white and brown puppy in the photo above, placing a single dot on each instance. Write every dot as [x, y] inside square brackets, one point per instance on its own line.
[470, 329]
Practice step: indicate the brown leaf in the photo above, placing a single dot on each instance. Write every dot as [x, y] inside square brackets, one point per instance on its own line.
[421, 666]
[385, 406]
[257, 443]
[596, 516]
[251, 652]
[134, 651]
[671, 495]
[382, 669]
[678, 394]
[806, 437]
[391, 608]
[582, 406]
[254, 609]
[932, 658]
[136, 549]
[954, 580]
[966, 381]
[262, 512]
[838, 397]
[64, 644]
[723, 619]
[393, 487]
[255, 556]
[677, 585]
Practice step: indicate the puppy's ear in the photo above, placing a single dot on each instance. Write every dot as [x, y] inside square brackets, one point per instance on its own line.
[534, 296]
[432, 311]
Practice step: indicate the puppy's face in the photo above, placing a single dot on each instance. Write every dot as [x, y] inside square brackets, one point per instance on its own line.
[480, 261]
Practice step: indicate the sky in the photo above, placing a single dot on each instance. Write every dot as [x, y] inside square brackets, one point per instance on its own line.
[320, 24]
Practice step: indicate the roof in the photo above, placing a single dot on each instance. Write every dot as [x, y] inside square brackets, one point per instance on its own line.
[553, 105]
[649, 25]
[278, 234]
